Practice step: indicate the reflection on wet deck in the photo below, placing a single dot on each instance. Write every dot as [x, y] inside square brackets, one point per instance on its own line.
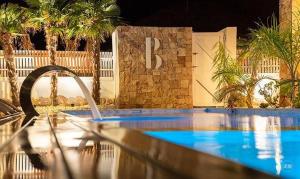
[77, 148]
[33, 154]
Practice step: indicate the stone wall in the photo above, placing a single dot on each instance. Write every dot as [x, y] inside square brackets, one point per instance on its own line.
[168, 86]
[285, 19]
[285, 13]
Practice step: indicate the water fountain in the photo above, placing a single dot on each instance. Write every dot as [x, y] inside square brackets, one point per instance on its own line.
[27, 85]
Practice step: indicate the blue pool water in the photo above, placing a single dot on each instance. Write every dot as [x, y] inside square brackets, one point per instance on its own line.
[267, 140]
[274, 152]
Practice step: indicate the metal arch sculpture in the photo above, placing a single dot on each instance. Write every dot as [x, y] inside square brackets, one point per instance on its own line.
[28, 83]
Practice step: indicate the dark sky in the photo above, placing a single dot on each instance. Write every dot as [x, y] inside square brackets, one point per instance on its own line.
[202, 15]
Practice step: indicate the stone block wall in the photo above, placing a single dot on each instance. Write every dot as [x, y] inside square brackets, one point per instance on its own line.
[170, 85]
[285, 19]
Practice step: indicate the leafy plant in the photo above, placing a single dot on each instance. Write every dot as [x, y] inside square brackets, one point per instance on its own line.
[271, 41]
[236, 99]
[231, 79]
[264, 105]
[270, 93]
[297, 101]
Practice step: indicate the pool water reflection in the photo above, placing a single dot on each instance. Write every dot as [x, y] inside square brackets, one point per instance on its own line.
[275, 152]
[266, 141]
[194, 120]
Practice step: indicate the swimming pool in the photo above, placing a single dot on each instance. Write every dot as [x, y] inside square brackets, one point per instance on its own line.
[272, 152]
[265, 140]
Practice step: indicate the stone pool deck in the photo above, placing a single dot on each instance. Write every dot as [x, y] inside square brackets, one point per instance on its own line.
[64, 146]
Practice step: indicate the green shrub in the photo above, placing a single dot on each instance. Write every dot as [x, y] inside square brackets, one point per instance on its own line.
[270, 94]
[264, 105]
[296, 101]
[236, 100]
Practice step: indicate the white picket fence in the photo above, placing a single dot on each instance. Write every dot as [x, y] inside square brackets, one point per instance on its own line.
[266, 66]
[79, 61]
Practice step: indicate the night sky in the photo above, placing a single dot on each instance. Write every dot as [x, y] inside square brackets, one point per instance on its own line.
[202, 15]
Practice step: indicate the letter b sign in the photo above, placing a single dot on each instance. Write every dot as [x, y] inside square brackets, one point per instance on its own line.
[149, 53]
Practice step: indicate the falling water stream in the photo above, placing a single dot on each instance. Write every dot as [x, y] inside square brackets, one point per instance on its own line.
[95, 112]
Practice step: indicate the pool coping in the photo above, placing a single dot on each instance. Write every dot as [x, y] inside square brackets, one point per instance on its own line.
[239, 111]
[185, 161]
[138, 111]
[255, 111]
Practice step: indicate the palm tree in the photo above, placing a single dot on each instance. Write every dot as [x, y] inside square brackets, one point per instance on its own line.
[279, 43]
[231, 79]
[93, 20]
[221, 61]
[50, 16]
[12, 19]
[244, 86]
[248, 52]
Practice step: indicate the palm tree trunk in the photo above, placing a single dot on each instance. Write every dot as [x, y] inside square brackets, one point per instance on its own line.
[249, 99]
[293, 91]
[96, 70]
[26, 42]
[250, 94]
[51, 47]
[11, 68]
[71, 44]
[89, 45]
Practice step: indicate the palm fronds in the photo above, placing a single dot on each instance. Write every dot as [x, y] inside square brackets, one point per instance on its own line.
[227, 70]
[12, 19]
[271, 41]
[92, 19]
[231, 78]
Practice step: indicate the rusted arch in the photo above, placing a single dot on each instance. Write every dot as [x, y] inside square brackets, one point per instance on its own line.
[28, 83]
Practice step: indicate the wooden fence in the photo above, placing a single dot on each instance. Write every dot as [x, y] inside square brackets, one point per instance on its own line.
[265, 66]
[78, 61]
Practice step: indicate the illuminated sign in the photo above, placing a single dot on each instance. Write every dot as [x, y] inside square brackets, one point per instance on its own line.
[149, 53]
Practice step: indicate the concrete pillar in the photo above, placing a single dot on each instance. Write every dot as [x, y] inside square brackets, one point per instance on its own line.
[288, 10]
[285, 13]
